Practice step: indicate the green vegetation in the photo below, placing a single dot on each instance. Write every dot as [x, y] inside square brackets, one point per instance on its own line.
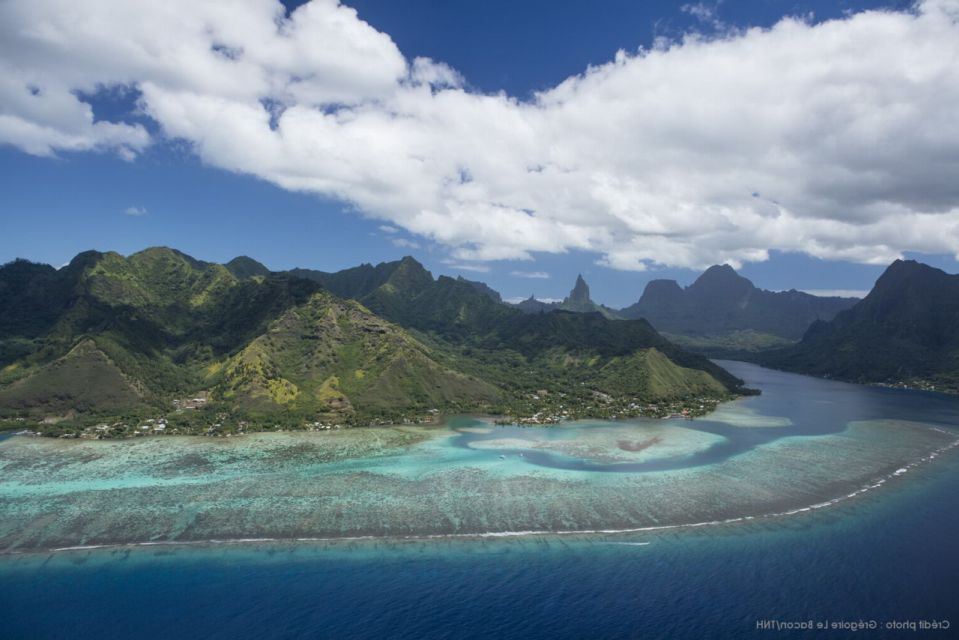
[335, 360]
[723, 314]
[904, 333]
[161, 343]
[578, 301]
[735, 344]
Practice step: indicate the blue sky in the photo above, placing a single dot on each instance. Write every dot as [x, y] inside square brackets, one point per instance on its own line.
[58, 204]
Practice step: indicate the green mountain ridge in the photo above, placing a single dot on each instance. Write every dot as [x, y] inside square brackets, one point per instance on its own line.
[108, 335]
[905, 331]
[331, 358]
[724, 314]
[158, 315]
[578, 301]
[498, 340]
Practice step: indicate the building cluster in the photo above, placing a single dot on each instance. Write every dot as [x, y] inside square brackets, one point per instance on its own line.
[199, 401]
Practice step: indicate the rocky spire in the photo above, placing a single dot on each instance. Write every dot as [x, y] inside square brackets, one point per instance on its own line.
[580, 292]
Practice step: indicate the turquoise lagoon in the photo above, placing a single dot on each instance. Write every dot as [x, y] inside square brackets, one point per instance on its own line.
[817, 501]
[804, 444]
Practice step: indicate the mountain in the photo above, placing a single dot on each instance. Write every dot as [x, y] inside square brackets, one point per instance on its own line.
[483, 288]
[109, 336]
[406, 293]
[499, 342]
[333, 359]
[579, 294]
[246, 267]
[578, 301]
[905, 331]
[146, 323]
[532, 305]
[723, 312]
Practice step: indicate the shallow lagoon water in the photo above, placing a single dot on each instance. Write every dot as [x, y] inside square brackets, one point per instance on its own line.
[824, 442]
[884, 553]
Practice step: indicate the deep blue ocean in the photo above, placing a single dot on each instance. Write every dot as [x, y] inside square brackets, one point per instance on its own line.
[891, 555]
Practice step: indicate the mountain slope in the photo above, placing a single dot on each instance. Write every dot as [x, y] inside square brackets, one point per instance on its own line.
[113, 335]
[722, 312]
[404, 292]
[500, 343]
[906, 329]
[84, 380]
[334, 357]
[157, 317]
[578, 301]
[246, 267]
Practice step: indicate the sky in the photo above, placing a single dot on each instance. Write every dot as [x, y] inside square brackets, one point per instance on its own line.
[806, 143]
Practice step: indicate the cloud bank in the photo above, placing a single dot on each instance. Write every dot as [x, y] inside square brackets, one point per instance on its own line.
[838, 139]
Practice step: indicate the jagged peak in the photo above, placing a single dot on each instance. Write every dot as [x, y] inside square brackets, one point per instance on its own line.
[411, 261]
[910, 266]
[580, 291]
[481, 287]
[901, 272]
[409, 272]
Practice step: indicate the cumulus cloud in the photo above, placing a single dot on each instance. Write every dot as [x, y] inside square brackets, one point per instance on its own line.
[530, 274]
[135, 211]
[836, 139]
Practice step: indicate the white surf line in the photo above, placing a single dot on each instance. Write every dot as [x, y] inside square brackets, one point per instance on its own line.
[525, 533]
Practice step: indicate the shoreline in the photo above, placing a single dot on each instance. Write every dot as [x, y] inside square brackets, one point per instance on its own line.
[438, 421]
[867, 488]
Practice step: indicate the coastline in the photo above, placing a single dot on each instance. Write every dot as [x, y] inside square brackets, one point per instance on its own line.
[803, 447]
[687, 408]
[770, 517]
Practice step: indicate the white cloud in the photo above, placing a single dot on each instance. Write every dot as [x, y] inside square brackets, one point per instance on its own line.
[518, 299]
[385, 228]
[474, 267]
[404, 243]
[842, 293]
[135, 211]
[705, 14]
[530, 274]
[836, 139]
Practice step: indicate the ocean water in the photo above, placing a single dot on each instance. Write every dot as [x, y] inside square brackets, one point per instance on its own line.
[886, 556]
